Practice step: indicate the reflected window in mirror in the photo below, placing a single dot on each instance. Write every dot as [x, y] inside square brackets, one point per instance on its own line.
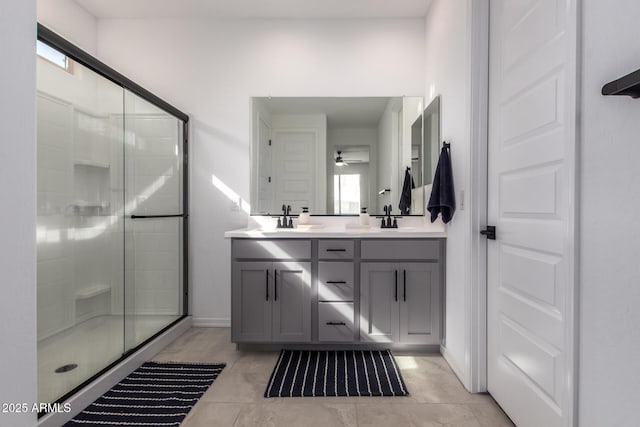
[346, 194]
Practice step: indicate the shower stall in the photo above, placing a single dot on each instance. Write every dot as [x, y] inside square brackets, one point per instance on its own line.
[112, 217]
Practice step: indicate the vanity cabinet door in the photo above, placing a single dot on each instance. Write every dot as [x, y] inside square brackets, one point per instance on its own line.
[291, 302]
[419, 297]
[251, 308]
[378, 302]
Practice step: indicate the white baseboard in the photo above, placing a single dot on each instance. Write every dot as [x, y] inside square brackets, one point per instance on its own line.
[454, 366]
[211, 322]
[100, 386]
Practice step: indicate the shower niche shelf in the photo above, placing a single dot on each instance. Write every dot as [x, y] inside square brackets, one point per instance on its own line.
[91, 189]
[92, 291]
[91, 163]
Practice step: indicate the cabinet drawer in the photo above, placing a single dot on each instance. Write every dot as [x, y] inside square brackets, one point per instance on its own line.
[400, 249]
[335, 321]
[271, 249]
[335, 281]
[335, 249]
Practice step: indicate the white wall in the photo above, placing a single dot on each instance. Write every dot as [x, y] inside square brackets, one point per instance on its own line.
[18, 214]
[212, 68]
[448, 75]
[71, 21]
[609, 220]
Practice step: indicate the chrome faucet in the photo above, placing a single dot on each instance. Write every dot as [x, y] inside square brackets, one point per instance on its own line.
[283, 222]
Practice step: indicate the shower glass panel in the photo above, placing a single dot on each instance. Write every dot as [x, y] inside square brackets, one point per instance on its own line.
[153, 219]
[111, 219]
[79, 229]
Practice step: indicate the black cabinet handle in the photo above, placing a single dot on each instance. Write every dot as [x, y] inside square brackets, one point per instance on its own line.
[333, 282]
[336, 250]
[266, 283]
[336, 324]
[396, 293]
[404, 283]
[275, 285]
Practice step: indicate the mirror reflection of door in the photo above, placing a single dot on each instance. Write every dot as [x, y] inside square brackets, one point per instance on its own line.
[265, 168]
[294, 171]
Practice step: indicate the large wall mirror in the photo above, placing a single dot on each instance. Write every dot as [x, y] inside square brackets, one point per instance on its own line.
[338, 155]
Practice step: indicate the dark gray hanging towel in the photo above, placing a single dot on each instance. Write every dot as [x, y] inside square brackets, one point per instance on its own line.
[405, 196]
[443, 198]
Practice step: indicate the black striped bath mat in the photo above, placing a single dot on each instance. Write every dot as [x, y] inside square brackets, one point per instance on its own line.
[155, 394]
[336, 373]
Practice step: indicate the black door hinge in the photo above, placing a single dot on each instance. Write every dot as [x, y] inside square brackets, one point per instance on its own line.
[490, 232]
[269, 143]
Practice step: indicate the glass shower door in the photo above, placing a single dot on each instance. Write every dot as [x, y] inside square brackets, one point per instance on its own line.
[79, 230]
[154, 292]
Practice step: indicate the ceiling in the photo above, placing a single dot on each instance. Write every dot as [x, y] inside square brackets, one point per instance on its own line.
[340, 112]
[256, 9]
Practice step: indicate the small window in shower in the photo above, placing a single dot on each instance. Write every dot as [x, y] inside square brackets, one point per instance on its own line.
[54, 56]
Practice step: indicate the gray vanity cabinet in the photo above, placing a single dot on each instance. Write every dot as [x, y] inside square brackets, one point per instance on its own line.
[399, 302]
[291, 302]
[419, 303]
[270, 295]
[379, 306]
[336, 292]
[252, 306]
[400, 291]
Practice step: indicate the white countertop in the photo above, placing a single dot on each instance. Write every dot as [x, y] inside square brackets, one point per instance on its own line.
[339, 231]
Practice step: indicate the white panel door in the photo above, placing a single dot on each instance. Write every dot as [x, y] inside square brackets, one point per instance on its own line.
[295, 168]
[531, 201]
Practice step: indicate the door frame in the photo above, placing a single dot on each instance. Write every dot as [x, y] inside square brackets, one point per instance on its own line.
[476, 293]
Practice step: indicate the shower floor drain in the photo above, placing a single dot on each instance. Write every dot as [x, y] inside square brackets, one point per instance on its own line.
[66, 368]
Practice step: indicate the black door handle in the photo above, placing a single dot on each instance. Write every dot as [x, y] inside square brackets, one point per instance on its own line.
[396, 293]
[336, 250]
[275, 285]
[266, 283]
[490, 232]
[336, 324]
[336, 282]
[404, 283]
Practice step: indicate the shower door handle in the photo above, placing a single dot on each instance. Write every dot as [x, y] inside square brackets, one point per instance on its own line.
[158, 216]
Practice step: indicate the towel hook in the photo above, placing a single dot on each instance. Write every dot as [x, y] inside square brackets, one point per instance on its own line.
[446, 144]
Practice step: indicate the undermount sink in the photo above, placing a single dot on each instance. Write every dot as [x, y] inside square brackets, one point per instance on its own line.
[406, 229]
[308, 227]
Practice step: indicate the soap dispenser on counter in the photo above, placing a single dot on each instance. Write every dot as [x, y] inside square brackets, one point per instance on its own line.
[303, 218]
[364, 217]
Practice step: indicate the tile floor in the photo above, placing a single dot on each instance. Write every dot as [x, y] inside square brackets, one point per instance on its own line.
[235, 399]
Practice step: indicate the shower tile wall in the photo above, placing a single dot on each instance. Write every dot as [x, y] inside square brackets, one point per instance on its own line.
[55, 181]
